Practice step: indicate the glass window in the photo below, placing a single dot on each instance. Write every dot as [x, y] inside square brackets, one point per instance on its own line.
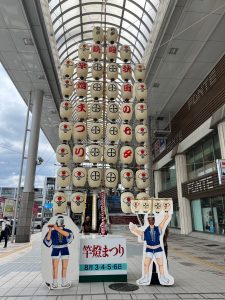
[198, 157]
[168, 176]
[209, 164]
[197, 215]
[175, 220]
[191, 165]
[216, 145]
[207, 215]
[218, 214]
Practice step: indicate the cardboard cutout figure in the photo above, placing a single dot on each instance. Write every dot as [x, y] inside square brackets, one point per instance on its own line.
[60, 252]
[152, 234]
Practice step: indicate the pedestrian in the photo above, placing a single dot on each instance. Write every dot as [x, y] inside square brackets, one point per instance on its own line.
[5, 233]
[86, 226]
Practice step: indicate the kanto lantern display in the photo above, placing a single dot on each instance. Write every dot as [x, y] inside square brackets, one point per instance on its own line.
[96, 89]
[63, 154]
[95, 131]
[67, 68]
[65, 110]
[77, 200]
[67, 87]
[113, 111]
[97, 34]
[59, 203]
[111, 35]
[126, 155]
[79, 131]
[83, 51]
[126, 72]
[63, 177]
[111, 154]
[79, 152]
[141, 111]
[142, 179]
[96, 52]
[142, 196]
[79, 177]
[65, 131]
[94, 177]
[141, 92]
[111, 178]
[81, 110]
[141, 133]
[95, 110]
[111, 52]
[141, 155]
[127, 178]
[112, 71]
[126, 111]
[125, 53]
[127, 91]
[95, 153]
[81, 88]
[126, 199]
[97, 70]
[82, 69]
[112, 132]
[112, 90]
[139, 72]
[126, 133]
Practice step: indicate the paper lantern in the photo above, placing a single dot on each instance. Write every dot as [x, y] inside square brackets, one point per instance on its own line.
[65, 131]
[141, 91]
[77, 200]
[112, 71]
[167, 205]
[96, 52]
[59, 203]
[141, 155]
[146, 206]
[63, 154]
[111, 154]
[82, 69]
[66, 109]
[111, 52]
[126, 155]
[126, 199]
[94, 177]
[142, 196]
[67, 68]
[139, 72]
[111, 178]
[141, 133]
[96, 90]
[79, 131]
[97, 70]
[81, 110]
[127, 178]
[112, 132]
[95, 131]
[141, 111]
[79, 177]
[97, 34]
[112, 111]
[126, 72]
[63, 177]
[83, 51]
[135, 206]
[125, 53]
[95, 110]
[112, 90]
[126, 111]
[81, 88]
[127, 91]
[111, 35]
[142, 179]
[79, 153]
[157, 206]
[95, 154]
[125, 133]
[67, 87]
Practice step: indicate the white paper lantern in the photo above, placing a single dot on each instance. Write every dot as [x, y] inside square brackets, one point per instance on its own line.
[142, 196]
[63, 177]
[112, 132]
[97, 34]
[127, 91]
[146, 206]
[113, 111]
[141, 133]
[112, 90]
[59, 203]
[126, 72]
[79, 153]
[126, 111]
[141, 111]
[126, 199]
[95, 131]
[95, 154]
[96, 90]
[111, 35]
[77, 200]
[157, 206]
[81, 110]
[81, 88]
[63, 154]
[83, 51]
[141, 155]
[79, 177]
[126, 155]
[97, 70]
[136, 206]
[141, 91]
[66, 109]
[127, 178]
[67, 68]
[142, 179]
[82, 69]
[139, 72]
[96, 52]
[168, 205]
[125, 133]
[111, 178]
[125, 53]
[65, 131]
[94, 177]
[79, 131]
[67, 87]
[95, 110]
[111, 154]
[111, 52]
[112, 71]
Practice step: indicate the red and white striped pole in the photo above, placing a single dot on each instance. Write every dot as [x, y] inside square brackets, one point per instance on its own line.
[103, 212]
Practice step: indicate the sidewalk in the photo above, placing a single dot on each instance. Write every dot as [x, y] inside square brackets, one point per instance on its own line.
[197, 265]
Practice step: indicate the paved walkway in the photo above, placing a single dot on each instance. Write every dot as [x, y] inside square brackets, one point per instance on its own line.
[198, 267]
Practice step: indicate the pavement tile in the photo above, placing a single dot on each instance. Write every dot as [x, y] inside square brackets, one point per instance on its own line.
[213, 296]
[190, 296]
[70, 297]
[143, 296]
[14, 292]
[166, 296]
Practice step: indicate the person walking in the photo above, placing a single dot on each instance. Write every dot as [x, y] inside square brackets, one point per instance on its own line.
[5, 233]
[86, 226]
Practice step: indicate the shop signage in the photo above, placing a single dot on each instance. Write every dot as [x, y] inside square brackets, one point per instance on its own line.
[221, 170]
[200, 185]
[9, 208]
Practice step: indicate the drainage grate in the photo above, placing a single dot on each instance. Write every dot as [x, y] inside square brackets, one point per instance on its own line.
[123, 287]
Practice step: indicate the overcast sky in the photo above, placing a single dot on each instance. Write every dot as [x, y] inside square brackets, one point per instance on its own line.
[12, 124]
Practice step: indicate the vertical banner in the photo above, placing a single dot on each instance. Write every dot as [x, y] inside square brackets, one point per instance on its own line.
[103, 212]
[221, 170]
